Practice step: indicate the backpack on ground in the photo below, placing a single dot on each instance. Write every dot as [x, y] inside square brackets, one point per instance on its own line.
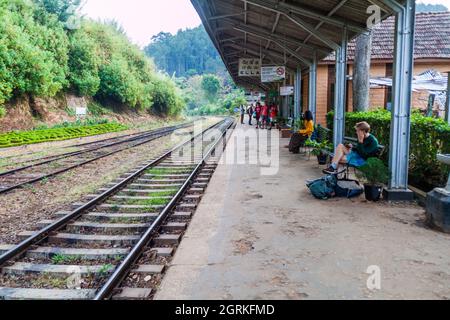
[348, 189]
[323, 188]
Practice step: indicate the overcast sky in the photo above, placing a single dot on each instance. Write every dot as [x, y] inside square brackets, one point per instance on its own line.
[143, 19]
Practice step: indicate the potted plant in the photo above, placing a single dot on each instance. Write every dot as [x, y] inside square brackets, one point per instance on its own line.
[319, 150]
[376, 174]
[281, 122]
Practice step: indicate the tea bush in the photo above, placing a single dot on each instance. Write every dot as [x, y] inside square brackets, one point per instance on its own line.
[429, 137]
[65, 131]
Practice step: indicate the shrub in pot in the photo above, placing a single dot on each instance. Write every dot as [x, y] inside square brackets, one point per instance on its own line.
[376, 174]
[318, 150]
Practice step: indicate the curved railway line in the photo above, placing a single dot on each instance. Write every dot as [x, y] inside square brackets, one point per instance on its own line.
[47, 167]
[117, 244]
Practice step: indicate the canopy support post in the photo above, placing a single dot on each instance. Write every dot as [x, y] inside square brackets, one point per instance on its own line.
[340, 91]
[401, 104]
[312, 96]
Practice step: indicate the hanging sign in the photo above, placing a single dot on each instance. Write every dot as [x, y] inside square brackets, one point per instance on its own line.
[249, 67]
[286, 91]
[272, 74]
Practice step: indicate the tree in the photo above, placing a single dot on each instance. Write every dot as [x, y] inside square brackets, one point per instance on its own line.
[211, 85]
[361, 72]
[187, 53]
[64, 9]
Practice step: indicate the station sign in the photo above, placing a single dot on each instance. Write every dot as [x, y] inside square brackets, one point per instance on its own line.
[249, 67]
[273, 74]
[286, 91]
[81, 112]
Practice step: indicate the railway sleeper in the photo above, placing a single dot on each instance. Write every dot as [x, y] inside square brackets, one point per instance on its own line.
[166, 240]
[116, 228]
[143, 191]
[132, 294]
[20, 269]
[186, 207]
[115, 241]
[182, 215]
[46, 294]
[117, 217]
[161, 181]
[125, 208]
[174, 227]
[154, 186]
[72, 253]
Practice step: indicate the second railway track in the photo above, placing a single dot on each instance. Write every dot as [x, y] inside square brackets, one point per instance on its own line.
[51, 166]
[117, 243]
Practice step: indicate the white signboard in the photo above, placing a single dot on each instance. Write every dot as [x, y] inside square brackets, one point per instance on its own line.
[272, 74]
[286, 91]
[81, 112]
[249, 67]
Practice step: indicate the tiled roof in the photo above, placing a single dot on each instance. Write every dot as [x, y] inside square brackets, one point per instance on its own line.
[432, 38]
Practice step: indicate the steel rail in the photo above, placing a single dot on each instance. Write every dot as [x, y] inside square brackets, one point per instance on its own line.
[122, 270]
[75, 214]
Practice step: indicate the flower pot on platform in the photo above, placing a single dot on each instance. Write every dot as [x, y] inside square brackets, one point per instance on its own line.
[373, 193]
[322, 159]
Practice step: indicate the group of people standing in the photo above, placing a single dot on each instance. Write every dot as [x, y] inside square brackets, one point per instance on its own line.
[264, 115]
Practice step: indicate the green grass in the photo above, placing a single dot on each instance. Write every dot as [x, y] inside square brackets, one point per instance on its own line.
[162, 194]
[13, 139]
[164, 171]
[105, 269]
[149, 202]
[62, 259]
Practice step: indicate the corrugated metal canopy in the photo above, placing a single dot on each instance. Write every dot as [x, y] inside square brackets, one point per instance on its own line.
[283, 32]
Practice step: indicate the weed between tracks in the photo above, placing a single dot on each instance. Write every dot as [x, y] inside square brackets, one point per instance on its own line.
[167, 171]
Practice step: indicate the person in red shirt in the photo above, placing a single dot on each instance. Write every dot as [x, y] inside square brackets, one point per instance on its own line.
[265, 116]
[258, 111]
[273, 115]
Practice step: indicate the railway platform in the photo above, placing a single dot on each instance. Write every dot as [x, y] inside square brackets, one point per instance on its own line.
[265, 237]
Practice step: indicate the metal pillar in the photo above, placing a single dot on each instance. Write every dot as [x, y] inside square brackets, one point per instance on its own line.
[401, 103]
[447, 103]
[340, 91]
[312, 96]
[297, 93]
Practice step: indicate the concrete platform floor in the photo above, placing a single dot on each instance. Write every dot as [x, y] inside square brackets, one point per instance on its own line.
[266, 237]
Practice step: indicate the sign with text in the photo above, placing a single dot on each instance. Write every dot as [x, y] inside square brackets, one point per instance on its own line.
[272, 74]
[286, 91]
[249, 67]
[80, 112]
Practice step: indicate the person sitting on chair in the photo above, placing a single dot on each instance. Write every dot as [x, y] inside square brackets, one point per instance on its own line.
[366, 148]
[300, 137]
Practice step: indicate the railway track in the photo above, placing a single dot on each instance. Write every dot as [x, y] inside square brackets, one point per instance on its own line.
[117, 244]
[48, 167]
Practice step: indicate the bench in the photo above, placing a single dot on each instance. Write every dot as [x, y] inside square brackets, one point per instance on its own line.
[327, 132]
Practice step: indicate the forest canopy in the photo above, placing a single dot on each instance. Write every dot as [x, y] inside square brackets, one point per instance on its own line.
[189, 52]
[42, 54]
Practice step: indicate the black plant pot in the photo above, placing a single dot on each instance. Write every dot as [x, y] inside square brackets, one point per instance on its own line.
[322, 159]
[373, 193]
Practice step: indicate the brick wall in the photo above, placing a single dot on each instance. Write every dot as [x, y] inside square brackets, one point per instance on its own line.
[305, 95]
[322, 94]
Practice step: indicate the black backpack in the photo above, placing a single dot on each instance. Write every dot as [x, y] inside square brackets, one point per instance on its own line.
[323, 188]
[348, 189]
